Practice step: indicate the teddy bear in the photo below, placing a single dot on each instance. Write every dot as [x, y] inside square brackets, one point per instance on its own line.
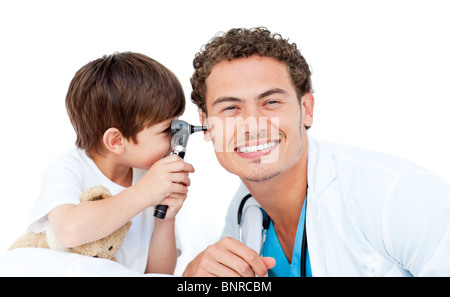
[105, 247]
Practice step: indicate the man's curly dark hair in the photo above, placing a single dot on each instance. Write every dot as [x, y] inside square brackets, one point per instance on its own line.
[241, 43]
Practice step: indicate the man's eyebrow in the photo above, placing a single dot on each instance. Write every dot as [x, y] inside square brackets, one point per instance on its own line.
[226, 99]
[270, 92]
[260, 96]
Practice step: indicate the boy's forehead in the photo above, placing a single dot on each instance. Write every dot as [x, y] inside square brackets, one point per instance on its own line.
[165, 122]
[162, 124]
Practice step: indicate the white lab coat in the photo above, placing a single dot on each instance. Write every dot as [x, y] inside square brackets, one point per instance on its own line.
[368, 214]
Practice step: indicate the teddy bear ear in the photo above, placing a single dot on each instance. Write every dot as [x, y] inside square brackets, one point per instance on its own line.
[95, 193]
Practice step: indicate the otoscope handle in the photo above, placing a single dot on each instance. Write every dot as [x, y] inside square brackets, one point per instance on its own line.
[160, 210]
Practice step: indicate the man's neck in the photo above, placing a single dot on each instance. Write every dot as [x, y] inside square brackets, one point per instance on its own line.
[282, 197]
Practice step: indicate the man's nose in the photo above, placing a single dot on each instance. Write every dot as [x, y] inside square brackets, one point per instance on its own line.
[254, 125]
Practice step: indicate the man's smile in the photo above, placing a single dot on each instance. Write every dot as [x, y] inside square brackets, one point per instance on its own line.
[257, 149]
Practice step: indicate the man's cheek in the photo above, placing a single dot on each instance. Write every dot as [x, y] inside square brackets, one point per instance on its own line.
[217, 134]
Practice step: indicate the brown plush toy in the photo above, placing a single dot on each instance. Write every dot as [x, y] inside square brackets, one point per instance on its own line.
[105, 247]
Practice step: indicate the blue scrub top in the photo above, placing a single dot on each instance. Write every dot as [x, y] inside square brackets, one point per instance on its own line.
[272, 248]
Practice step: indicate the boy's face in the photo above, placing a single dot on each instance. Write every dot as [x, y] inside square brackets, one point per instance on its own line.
[153, 143]
[254, 117]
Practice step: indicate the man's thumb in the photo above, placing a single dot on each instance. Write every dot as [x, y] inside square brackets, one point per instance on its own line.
[269, 261]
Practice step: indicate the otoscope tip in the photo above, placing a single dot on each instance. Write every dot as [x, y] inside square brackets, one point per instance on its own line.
[198, 129]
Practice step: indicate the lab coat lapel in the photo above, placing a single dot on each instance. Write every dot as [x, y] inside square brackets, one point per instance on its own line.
[321, 173]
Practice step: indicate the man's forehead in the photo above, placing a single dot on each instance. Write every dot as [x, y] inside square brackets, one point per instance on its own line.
[254, 75]
[254, 61]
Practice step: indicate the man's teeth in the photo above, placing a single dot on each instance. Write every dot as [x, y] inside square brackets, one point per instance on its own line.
[255, 148]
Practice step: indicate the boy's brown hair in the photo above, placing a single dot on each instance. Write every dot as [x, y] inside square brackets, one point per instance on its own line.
[242, 43]
[128, 91]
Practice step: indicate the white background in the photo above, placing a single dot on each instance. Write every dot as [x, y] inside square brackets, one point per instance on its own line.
[381, 75]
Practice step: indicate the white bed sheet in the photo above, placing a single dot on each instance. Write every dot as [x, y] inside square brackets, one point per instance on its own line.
[46, 262]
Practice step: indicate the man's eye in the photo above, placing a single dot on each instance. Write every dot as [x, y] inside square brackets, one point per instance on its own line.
[167, 130]
[229, 108]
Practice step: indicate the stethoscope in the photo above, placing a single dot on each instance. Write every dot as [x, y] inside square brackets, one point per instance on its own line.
[265, 226]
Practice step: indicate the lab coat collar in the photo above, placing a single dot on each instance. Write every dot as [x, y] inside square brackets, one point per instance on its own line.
[321, 170]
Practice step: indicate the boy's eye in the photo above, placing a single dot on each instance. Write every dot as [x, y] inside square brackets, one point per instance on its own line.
[167, 130]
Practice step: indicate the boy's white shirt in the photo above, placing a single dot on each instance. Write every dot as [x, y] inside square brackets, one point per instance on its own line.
[65, 178]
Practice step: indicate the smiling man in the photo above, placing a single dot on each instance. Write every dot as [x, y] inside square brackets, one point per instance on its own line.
[272, 98]
[327, 209]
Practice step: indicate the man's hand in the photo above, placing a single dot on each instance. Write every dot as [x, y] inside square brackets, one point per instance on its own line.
[229, 257]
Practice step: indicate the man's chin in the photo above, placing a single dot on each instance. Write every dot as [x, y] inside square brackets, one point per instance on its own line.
[251, 170]
[260, 177]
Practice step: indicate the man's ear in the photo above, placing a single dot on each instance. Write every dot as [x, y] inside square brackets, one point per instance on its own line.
[114, 141]
[307, 109]
[204, 121]
[202, 116]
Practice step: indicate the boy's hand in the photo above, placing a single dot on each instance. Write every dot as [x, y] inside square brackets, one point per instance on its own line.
[166, 182]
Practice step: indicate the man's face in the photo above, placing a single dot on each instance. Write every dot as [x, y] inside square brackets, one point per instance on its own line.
[254, 117]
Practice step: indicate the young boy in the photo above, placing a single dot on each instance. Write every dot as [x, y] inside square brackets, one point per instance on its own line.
[121, 107]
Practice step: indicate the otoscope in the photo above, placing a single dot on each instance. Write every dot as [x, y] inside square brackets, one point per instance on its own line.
[180, 135]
